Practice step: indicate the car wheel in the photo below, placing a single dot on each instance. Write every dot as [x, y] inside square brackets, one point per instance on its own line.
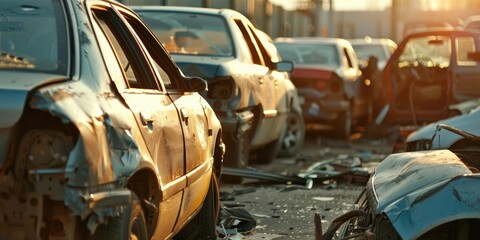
[343, 125]
[203, 226]
[130, 224]
[237, 153]
[294, 136]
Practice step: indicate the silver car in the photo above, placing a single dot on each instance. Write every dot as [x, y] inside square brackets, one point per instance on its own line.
[246, 89]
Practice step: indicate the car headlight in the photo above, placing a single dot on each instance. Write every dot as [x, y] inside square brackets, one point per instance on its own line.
[221, 88]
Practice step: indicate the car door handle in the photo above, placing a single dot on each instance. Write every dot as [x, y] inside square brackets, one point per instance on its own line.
[184, 112]
[147, 118]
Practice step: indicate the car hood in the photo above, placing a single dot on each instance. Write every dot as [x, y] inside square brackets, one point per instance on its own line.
[14, 90]
[411, 188]
[444, 139]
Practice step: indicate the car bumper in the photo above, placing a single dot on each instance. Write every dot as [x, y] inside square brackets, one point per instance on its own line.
[240, 121]
[322, 109]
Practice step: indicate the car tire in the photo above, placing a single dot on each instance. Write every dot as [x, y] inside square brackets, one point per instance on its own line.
[237, 154]
[343, 125]
[203, 225]
[130, 224]
[294, 136]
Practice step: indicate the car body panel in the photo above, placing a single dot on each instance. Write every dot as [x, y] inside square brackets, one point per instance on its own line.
[442, 80]
[86, 140]
[426, 136]
[411, 188]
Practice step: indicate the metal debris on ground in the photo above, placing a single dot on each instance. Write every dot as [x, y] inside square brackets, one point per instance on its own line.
[235, 221]
[345, 168]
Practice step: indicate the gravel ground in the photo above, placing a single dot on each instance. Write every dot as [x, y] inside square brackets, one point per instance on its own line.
[286, 211]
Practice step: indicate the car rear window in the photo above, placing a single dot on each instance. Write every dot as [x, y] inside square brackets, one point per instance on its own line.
[190, 33]
[364, 51]
[309, 53]
[33, 36]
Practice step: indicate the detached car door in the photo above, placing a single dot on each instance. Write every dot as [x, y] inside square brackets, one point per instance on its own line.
[155, 113]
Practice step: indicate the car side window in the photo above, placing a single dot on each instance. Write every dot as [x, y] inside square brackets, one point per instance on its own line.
[113, 65]
[465, 45]
[347, 58]
[127, 53]
[266, 57]
[162, 62]
[251, 45]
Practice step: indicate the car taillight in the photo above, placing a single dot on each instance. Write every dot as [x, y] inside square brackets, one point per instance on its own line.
[221, 88]
[321, 85]
[336, 83]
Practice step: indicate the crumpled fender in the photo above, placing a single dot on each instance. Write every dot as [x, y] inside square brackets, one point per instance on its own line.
[105, 154]
[421, 190]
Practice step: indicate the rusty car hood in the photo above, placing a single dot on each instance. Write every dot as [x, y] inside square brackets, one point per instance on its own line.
[421, 190]
[14, 89]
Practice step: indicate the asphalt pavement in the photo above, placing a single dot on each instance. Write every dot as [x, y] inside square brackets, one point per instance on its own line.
[273, 206]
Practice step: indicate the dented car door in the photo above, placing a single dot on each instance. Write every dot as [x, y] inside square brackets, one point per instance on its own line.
[157, 119]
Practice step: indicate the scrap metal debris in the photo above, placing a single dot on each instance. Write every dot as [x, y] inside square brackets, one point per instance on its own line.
[341, 169]
[235, 220]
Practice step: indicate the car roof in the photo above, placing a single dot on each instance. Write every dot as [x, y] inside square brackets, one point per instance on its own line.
[369, 40]
[212, 11]
[312, 40]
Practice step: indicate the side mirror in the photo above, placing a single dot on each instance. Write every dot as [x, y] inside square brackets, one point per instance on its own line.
[284, 66]
[196, 84]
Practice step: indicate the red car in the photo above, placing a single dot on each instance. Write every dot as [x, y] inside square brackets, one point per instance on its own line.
[326, 74]
[428, 72]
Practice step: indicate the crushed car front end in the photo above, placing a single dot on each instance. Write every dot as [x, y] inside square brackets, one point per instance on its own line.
[416, 195]
[323, 94]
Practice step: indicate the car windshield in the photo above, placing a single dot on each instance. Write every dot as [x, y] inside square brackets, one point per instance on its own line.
[33, 36]
[430, 51]
[190, 33]
[364, 51]
[312, 53]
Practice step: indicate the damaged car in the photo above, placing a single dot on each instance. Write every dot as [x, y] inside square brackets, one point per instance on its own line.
[430, 71]
[246, 89]
[102, 136]
[326, 74]
[432, 136]
[294, 135]
[416, 195]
